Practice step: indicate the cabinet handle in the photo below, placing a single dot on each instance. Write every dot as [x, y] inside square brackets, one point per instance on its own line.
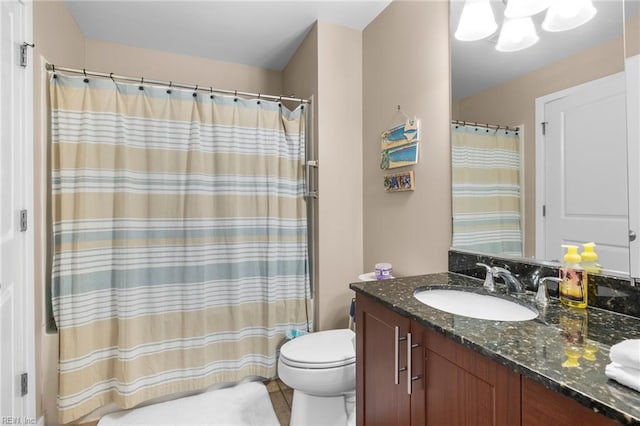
[396, 355]
[410, 378]
[409, 363]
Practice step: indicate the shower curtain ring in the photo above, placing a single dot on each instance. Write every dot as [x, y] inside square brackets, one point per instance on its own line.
[141, 83]
[86, 80]
[259, 98]
[111, 77]
[169, 89]
[195, 94]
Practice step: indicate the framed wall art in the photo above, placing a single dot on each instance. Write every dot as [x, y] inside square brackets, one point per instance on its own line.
[399, 145]
[399, 182]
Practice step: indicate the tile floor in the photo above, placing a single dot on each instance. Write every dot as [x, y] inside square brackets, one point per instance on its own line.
[281, 397]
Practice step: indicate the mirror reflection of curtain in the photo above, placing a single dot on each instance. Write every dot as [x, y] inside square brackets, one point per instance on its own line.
[486, 190]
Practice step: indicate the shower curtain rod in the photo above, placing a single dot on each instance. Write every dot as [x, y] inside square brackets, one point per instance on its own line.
[207, 89]
[488, 126]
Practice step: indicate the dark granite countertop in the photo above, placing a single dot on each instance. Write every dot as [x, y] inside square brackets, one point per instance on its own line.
[534, 348]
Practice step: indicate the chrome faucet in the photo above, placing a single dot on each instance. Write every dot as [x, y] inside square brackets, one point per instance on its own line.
[488, 279]
[542, 296]
[513, 284]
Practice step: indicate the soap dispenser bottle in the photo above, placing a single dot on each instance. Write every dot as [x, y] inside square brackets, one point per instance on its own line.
[589, 260]
[573, 288]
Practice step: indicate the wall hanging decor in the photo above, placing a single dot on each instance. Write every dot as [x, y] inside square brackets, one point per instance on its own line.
[399, 145]
[399, 182]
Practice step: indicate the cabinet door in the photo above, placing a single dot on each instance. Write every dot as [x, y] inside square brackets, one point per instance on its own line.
[381, 389]
[541, 406]
[463, 387]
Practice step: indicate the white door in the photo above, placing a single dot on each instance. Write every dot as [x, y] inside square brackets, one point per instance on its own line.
[585, 171]
[16, 245]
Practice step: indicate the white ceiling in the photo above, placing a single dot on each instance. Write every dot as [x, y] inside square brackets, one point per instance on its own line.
[477, 65]
[259, 33]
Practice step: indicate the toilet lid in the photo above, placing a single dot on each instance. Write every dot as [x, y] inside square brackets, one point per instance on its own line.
[323, 349]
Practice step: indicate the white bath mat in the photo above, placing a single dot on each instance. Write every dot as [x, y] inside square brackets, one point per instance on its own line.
[240, 405]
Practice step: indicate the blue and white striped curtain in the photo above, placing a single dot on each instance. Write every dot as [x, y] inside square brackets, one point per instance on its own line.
[486, 190]
[180, 239]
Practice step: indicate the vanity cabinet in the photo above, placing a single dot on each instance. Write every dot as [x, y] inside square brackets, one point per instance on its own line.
[463, 387]
[542, 406]
[381, 388]
[410, 375]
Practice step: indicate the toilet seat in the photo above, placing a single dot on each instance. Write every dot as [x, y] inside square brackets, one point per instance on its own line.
[323, 349]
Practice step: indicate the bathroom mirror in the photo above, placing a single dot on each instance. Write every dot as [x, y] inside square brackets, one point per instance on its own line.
[501, 88]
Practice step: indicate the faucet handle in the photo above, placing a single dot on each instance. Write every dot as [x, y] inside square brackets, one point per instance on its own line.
[542, 296]
[488, 280]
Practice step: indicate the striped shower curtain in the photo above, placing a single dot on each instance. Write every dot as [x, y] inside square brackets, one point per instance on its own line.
[179, 239]
[486, 190]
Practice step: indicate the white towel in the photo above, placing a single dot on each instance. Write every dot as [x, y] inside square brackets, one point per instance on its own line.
[626, 353]
[627, 376]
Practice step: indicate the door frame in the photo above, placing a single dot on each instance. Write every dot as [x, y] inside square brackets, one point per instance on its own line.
[27, 308]
[632, 71]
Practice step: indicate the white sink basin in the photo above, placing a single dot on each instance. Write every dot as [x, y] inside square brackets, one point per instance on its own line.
[475, 305]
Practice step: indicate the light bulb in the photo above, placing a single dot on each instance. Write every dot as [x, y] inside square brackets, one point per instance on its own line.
[476, 21]
[566, 15]
[517, 34]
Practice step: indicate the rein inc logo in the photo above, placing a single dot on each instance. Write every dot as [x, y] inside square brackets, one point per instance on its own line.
[14, 420]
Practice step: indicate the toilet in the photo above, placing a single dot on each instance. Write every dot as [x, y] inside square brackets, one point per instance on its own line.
[321, 369]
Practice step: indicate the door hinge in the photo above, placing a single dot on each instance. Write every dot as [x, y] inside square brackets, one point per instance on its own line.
[24, 384]
[23, 221]
[544, 127]
[544, 211]
[23, 53]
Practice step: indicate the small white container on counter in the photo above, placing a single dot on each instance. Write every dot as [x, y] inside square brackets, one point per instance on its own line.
[383, 271]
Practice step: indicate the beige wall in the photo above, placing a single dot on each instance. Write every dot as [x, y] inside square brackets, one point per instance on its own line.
[632, 36]
[339, 143]
[133, 61]
[406, 63]
[328, 65]
[513, 103]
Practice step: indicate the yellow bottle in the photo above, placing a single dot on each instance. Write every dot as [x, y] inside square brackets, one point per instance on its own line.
[590, 259]
[573, 288]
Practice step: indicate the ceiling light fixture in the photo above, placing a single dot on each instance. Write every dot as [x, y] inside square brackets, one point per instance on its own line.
[476, 21]
[565, 15]
[517, 34]
[518, 31]
[524, 8]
